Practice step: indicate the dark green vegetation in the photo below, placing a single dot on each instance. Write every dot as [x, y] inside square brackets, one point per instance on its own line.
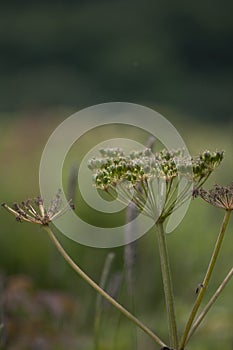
[79, 53]
[25, 249]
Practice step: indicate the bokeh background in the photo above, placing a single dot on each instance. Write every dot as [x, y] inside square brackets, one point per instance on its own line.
[59, 57]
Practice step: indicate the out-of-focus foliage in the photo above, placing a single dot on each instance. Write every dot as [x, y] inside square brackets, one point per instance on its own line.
[79, 53]
[33, 317]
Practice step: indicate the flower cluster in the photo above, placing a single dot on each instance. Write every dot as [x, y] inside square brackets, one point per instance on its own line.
[205, 164]
[219, 196]
[135, 175]
[34, 211]
[114, 166]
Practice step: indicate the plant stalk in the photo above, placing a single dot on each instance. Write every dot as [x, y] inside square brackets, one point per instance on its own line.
[210, 303]
[206, 280]
[98, 289]
[167, 285]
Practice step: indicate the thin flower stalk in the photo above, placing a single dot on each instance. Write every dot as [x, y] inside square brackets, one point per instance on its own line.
[206, 280]
[173, 202]
[220, 197]
[34, 211]
[167, 284]
[146, 174]
[99, 290]
[210, 303]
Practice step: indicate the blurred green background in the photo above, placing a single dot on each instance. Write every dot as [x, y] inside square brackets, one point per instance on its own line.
[79, 53]
[59, 57]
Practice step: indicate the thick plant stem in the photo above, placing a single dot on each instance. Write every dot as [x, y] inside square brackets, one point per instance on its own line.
[98, 289]
[210, 303]
[167, 285]
[206, 280]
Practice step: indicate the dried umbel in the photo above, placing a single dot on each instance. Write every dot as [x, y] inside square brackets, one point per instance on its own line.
[34, 211]
[142, 176]
[219, 196]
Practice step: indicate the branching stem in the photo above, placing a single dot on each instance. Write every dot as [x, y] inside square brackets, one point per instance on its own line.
[210, 303]
[206, 280]
[98, 289]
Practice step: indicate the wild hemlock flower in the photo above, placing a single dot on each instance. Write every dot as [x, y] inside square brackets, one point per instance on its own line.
[219, 196]
[204, 165]
[144, 177]
[34, 211]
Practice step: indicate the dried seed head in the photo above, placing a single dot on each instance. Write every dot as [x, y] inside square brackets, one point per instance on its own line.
[34, 211]
[219, 196]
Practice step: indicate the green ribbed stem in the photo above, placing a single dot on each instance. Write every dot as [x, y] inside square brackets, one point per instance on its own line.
[210, 303]
[206, 280]
[167, 285]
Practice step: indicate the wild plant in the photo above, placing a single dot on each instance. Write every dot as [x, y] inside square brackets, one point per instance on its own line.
[149, 184]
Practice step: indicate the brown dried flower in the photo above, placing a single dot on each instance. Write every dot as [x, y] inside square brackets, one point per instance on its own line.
[34, 211]
[219, 196]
